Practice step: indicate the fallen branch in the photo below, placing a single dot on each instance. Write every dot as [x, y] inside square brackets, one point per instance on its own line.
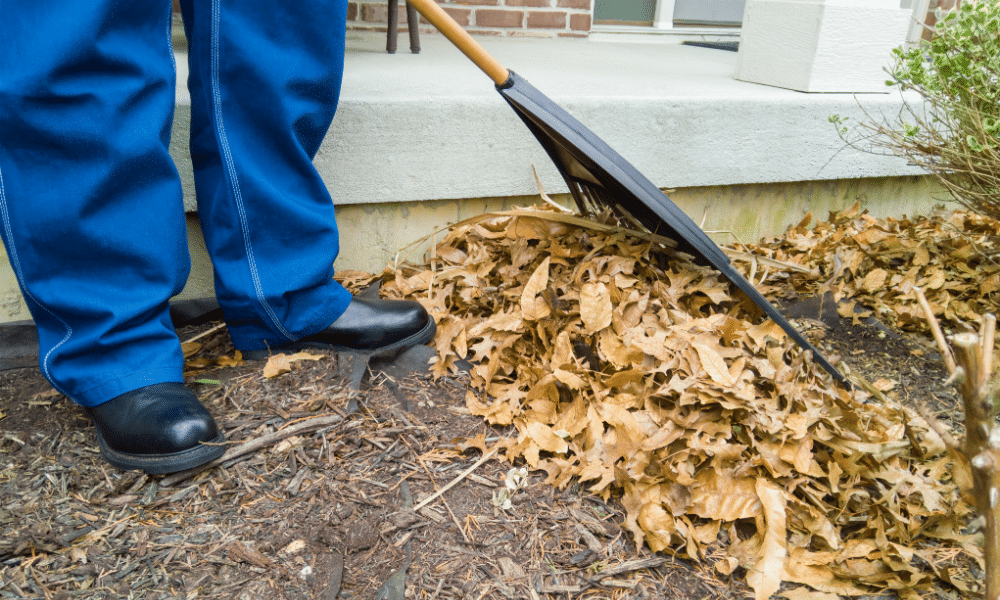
[305, 426]
[949, 359]
[972, 371]
[628, 567]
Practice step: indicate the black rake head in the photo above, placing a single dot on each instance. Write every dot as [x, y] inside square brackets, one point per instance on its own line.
[599, 178]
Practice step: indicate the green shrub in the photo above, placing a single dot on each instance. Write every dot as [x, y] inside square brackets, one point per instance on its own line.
[955, 132]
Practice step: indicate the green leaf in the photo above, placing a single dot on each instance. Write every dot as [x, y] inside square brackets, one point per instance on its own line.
[208, 381]
[956, 122]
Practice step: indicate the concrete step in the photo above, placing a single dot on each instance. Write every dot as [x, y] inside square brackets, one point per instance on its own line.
[430, 126]
[423, 140]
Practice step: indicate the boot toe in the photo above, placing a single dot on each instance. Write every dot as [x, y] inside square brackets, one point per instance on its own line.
[177, 430]
[369, 325]
[160, 428]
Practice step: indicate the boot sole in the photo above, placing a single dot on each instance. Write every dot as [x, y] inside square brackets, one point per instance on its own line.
[417, 339]
[159, 464]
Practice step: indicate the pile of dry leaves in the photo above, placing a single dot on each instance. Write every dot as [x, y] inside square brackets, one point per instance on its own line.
[624, 365]
[949, 255]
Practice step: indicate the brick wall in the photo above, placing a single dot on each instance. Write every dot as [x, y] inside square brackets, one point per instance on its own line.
[931, 19]
[526, 18]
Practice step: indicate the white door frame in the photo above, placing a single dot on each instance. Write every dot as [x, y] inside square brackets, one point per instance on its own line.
[663, 30]
[664, 15]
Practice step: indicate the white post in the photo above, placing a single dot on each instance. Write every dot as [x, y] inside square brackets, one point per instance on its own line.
[820, 45]
[920, 8]
[664, 18]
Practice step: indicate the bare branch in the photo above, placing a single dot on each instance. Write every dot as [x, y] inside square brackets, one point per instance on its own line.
[949, 359]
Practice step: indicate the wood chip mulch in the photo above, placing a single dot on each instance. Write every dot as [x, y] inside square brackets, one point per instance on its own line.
[323, 514]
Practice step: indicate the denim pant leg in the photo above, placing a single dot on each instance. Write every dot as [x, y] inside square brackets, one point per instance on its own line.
[90, 200]
[265, 79]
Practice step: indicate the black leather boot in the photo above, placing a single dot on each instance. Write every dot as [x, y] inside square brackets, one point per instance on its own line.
[370, 326]
[157, 429]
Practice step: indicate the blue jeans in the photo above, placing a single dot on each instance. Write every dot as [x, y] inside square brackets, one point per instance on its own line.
[90, 201]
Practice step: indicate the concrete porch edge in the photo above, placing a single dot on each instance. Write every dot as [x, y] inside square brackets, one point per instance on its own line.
[423, 140]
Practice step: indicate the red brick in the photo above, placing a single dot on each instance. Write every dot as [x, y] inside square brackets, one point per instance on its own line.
[401, 15]
[379, 13]
[374, 13]
[461, 15]
[579, 22]
[546, 20]
[584, 4]
[476, 2]
[352, 11]
[531, 3]
[499, 18]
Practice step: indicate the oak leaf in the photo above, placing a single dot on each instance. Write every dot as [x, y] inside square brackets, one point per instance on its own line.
[279, 364]
[533, 304]
[713, 364]
[595, 306]
[765, 575]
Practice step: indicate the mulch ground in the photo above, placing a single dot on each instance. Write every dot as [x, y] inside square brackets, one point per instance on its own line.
[320, 515]
[328, 513]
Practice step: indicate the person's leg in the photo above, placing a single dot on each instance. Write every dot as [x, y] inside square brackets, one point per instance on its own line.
[90, 201]
[264, 80]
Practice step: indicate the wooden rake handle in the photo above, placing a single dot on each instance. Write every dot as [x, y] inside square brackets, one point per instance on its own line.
[462, 40]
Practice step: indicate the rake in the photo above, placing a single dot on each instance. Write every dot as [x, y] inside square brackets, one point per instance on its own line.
[598, 177]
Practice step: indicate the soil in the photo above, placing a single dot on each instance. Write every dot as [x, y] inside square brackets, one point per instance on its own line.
[328, 514]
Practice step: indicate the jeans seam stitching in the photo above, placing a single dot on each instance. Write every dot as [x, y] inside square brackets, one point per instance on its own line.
[231, 169]
[16, 264]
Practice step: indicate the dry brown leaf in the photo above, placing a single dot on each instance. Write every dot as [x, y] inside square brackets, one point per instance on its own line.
[545, 438]
[595, 306]
[765, 575]
[812, 569]
[804, 593]
[884, 385]
[714, 365]
[727, 565]
[279, 364]
[720, 496]
[533, 304]
[647, 379]
[572, 380]
[230, 361]
[875, 280]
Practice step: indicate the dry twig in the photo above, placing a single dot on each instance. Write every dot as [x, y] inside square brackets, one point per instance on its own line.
[485, 457]
[949, 359]
[973, 375]
[305, 426]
